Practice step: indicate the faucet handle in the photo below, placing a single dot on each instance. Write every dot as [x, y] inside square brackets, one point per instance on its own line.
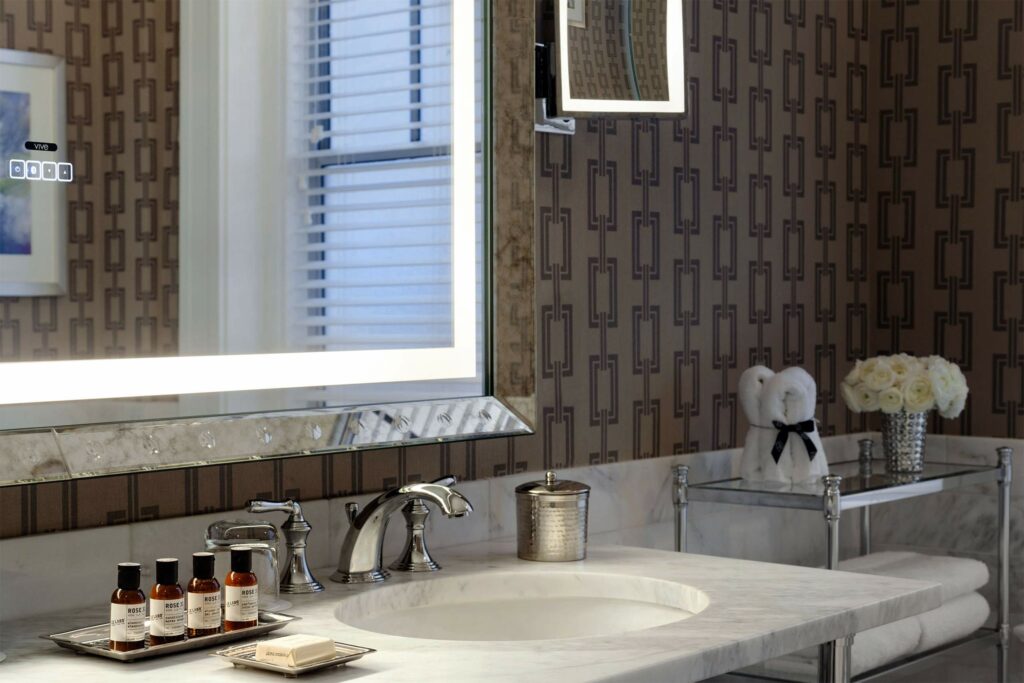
[415, 557]
[290, 506]
[296, 577]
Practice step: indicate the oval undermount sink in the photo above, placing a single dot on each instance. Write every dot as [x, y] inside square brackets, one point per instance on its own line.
[521, 606]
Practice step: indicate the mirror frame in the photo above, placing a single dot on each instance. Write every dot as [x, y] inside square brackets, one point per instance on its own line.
[509, 404]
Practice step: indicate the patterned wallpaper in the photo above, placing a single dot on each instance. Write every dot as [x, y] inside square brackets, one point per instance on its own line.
[672, 253]
[122, 135]
[947, 198]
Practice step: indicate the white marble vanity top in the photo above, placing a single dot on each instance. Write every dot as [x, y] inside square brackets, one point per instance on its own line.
[756, 611]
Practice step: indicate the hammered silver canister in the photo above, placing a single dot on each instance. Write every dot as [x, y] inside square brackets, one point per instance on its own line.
[903, 441]
[551, 520]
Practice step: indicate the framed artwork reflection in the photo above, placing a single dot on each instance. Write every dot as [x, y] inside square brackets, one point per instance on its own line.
[33, 204]
[576, 13]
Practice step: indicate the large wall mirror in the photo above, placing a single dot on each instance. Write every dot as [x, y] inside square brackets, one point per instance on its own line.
[278, 219]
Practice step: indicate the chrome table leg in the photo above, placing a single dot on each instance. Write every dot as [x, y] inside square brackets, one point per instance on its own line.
[832, 512]
[834, 657]
[835, 664]
[680, 481]
[864, 470]
[865, 530]
[1005, 477]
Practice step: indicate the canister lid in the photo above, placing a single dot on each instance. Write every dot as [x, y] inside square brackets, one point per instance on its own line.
[552, 486]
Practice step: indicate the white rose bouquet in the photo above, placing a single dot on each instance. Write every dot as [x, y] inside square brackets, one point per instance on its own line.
[903, 382]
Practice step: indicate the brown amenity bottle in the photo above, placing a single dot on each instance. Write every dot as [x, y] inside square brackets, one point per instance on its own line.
[241, 593]
[128, 610]
[204, 613]
[166, 604]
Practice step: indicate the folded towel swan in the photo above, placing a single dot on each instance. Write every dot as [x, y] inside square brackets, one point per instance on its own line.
[785, 408]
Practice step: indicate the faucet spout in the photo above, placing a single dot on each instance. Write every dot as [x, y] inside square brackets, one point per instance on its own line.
[360, 560]
[451, 502]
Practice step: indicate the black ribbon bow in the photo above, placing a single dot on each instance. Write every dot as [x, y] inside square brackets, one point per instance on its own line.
[801, 429]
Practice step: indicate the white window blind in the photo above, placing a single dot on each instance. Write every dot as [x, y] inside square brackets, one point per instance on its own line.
[372, 250]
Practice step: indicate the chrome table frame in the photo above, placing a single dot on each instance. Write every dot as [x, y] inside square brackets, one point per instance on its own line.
[834, 664]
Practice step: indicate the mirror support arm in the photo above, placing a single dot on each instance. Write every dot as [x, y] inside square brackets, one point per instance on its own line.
[545, 117]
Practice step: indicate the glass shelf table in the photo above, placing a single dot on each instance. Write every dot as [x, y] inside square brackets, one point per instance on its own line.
[858, 485]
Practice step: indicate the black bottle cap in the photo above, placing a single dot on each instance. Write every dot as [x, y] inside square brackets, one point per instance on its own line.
[167, 571]
[202, 565]
[129, 576]
[241, 559]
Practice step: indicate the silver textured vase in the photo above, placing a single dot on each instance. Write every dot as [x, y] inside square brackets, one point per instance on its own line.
[903, 441]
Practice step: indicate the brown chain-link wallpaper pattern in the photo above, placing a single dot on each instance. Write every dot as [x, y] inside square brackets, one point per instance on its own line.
[673, 253]
[947, 199]
[122, 137]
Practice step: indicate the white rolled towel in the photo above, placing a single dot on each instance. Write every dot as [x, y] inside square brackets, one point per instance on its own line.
[874, 563]
[957, 575]
[871, 649]
[958, 618]
[955, 619]
[963, 611]
[751, 387]
[789, 398]
[884, 644]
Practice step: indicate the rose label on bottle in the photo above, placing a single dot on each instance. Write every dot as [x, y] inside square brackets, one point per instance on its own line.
[167, 617]
[127, 622]
[204, 610]
[241, 603]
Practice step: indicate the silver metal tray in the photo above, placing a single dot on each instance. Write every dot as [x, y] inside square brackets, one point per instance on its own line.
[95, 640]
[245, 655]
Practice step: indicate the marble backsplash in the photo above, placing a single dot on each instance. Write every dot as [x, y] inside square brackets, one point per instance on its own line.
[631, 504]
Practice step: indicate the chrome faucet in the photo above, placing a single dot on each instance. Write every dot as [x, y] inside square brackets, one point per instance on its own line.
[360, 559]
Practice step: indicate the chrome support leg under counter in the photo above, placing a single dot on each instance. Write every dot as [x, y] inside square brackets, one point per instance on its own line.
[864, 470]
[1005, 477]
[680, 480]
[834, 665]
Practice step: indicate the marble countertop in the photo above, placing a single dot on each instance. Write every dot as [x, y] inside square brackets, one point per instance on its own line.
[757, 611]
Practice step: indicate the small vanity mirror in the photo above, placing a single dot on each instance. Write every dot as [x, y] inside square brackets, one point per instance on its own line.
[620, 56]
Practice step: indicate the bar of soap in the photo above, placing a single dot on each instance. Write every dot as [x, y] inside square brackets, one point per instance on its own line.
[297, 650]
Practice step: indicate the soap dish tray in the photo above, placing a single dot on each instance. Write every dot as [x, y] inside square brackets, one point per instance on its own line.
[95, 640]
[245, 655]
